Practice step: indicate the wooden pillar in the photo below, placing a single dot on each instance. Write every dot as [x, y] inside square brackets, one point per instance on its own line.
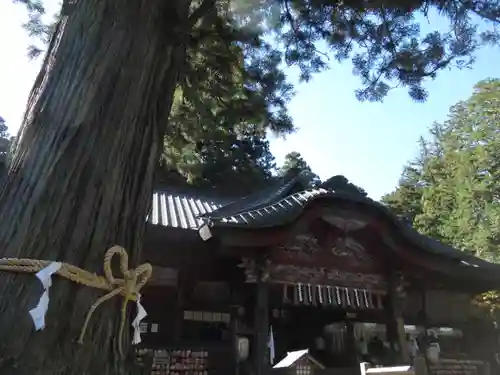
[425, 323]
[179, 305]
[261, 323]
[233, 327]
[351, 346]
[424, 317]
[395, 323]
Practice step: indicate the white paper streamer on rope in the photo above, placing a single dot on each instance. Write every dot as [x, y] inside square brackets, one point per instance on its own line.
[45, 277]
[141, 314]
[270, 345]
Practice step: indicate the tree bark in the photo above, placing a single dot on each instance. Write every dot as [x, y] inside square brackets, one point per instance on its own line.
[81, 179]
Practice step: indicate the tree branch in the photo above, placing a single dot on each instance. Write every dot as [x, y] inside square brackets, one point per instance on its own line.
[203, 9]
[474, 6]
[298, 33]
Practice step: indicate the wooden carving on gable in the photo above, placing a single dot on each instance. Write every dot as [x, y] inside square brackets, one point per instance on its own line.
[326, 245]
[327, 253]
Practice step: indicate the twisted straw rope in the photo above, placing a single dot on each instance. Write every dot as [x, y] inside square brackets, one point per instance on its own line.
[128, 287]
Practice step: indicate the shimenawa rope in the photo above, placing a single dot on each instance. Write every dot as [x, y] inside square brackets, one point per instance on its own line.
[128, 287]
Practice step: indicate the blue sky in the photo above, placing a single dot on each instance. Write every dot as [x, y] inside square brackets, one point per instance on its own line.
[366, 142]
[370, 142]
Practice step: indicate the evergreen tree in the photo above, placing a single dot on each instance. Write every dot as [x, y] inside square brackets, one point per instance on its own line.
[405, 201]
[5, 148]
[295, 161]
[340, 184]
[217, 128]
[222, 109]
[81, 178]
[229, 162]
[456, 186]
[453, 192]
[4, 137]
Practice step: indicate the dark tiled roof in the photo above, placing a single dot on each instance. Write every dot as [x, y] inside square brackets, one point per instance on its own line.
[275, 206]
[260, 198]
[278, 206]
[179, 210]
[287, 209]
[187, 210]
[269, 213]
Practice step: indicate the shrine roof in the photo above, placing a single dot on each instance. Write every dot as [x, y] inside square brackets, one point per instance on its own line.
[292, 358]
[286, 209]
[180, 209]
[185, 209]
[282, 203]
[262, 209]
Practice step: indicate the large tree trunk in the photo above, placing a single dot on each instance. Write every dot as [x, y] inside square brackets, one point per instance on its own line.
[82, 176]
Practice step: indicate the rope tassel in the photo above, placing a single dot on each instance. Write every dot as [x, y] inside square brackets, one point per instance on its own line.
[128, 287]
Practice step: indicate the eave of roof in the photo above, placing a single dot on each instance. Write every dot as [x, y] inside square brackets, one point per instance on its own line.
[288, 209]
[269, 214]
[276, 191]
[178, 210]
[274, 207]
[187, 210]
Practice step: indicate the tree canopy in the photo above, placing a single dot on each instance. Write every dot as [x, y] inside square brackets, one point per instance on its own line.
[5, 147]
[221, 159]
[382, 38]
[295, 161]
[451, 192]
[227, 100]
[340, 184]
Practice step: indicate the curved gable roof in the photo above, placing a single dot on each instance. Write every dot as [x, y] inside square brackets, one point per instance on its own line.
[185, 209]
[277, 206]
[289, 209]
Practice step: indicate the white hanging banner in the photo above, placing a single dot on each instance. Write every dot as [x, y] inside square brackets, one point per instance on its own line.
[270, 345]
[141, 314]
[40, 311]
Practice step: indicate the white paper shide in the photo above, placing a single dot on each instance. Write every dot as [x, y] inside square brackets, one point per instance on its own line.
[45, 277]
[40, 311]
[141, 314]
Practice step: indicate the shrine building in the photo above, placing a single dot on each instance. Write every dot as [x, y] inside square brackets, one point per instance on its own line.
[239, 283]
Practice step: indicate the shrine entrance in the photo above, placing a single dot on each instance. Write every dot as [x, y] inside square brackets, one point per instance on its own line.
[327, 336]
[333, 334]
[321, 281]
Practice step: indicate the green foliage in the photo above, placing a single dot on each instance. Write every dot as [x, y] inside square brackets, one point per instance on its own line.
[382, 38]
[341, 184]
[6, 142]
[405, 201]
[39, 30]
[222, 159]
[294, 161]
[230, 94]
[453, 190]
[231, 76]
[489, 303]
